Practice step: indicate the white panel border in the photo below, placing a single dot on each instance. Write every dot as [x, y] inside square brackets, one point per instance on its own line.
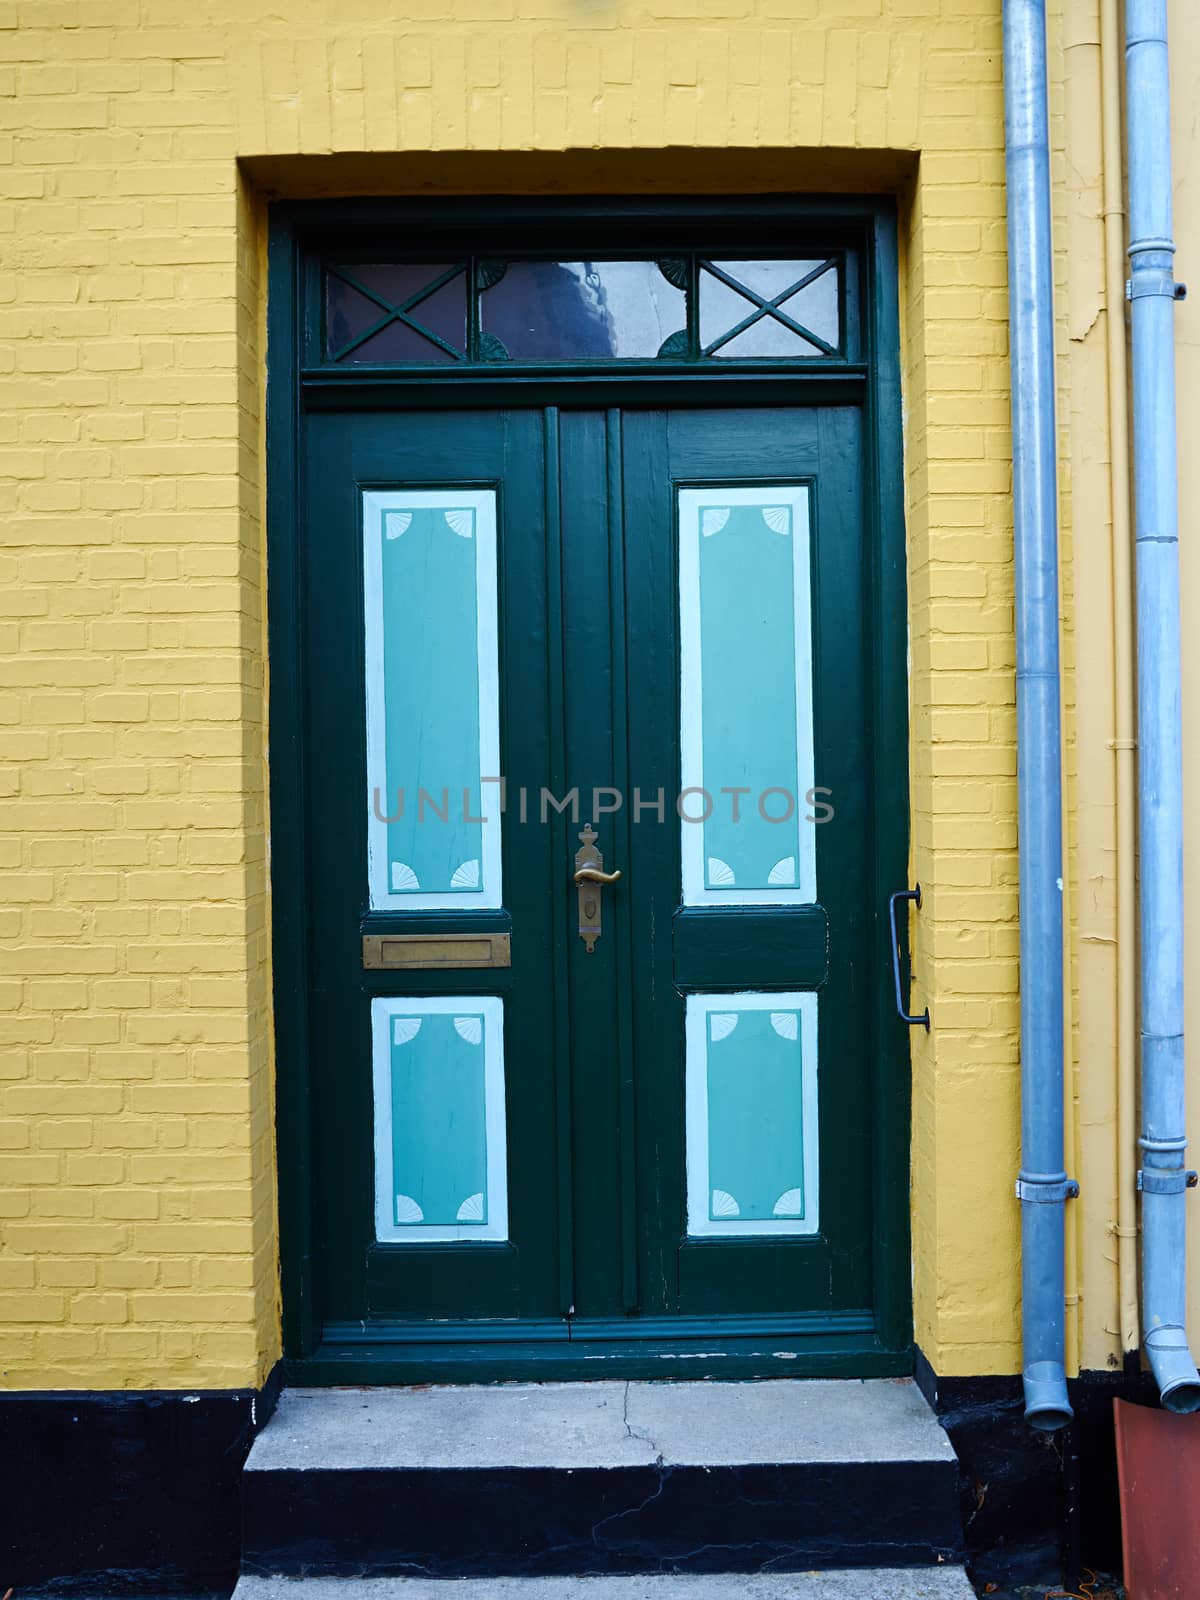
[699, 1224]
[375, 502]
[691, 692]
[491, 1007]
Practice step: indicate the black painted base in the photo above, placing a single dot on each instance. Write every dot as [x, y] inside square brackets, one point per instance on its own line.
[1036, 1508]
[142, 1494]
[124, 1493]
[539, 1521]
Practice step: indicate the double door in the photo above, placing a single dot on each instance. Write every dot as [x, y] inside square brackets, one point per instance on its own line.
[591, 879]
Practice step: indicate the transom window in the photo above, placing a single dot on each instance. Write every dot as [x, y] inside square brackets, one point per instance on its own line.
[684, 308]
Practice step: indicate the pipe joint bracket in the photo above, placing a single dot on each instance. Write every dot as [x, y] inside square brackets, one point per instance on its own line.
[1156, 283]
[1170, 1180]
[1046, 1189]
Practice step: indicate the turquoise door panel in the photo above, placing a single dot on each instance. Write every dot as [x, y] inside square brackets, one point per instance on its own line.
[432, 697]
[441, 1167]
[746, 695]
[752, 1131]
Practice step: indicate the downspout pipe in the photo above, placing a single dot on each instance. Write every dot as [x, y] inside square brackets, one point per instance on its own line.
[1163, 1178]
[1043, 1186]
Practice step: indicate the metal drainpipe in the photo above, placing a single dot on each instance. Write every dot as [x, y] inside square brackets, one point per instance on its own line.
[1043, 1185]
[1163, 1179]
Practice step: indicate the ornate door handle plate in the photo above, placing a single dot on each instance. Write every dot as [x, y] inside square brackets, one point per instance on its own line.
[590, 877]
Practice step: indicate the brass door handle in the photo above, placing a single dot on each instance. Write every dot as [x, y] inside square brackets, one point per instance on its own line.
[594, 875]
[590, 878]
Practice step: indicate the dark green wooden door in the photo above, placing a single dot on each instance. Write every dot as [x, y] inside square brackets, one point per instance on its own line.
[651, 625]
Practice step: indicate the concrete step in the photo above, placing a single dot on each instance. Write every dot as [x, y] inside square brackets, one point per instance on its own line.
[873, 1583]
[585, 1479]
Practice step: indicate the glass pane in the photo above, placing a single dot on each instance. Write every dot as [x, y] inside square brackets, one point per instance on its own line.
[582, 310]
[433, 737]
[746, 697]
[440, 1158]
[349, 314]
[751, 1117]
[769, 278]
[814, 307]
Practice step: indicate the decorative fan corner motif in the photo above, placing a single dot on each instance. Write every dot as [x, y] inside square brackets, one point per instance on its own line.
[395, 523]
[712, 520]
[461, 522]
[783, 874]
[790, 1203]
[469, 1028]
[491, 348]
[724, 1205]
[778, 519]
[403, 877]
[786, 1024]
[720, 873]
[675, 347]
[466, 876]
[471, 1209]
[404, 1029]
[407, 1209]
[721, 1024]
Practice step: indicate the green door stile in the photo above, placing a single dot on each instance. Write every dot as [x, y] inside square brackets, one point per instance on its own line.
[552, 1168]
[622, 841]
[557, 997]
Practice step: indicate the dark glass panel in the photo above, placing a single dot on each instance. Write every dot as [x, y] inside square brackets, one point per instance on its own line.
[350, 313]
[582, 310]
[399, 343]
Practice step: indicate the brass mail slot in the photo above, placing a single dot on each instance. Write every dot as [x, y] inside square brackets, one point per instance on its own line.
[430, 950]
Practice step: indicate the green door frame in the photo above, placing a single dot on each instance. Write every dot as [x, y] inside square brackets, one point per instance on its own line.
[299, 233]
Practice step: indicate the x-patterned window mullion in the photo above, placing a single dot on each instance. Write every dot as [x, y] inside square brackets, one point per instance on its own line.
[399, 313]
[769, 308]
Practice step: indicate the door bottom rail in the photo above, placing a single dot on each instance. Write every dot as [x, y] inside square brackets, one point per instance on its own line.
[840, 1345]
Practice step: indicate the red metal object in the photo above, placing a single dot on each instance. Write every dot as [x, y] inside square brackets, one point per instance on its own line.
[1158, 1463]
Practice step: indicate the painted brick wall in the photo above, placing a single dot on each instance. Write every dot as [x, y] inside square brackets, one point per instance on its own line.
[137, 1242]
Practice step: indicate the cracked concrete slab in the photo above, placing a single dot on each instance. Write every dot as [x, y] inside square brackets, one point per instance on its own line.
[877, 1583]
[602, 1424]
[733, 1424]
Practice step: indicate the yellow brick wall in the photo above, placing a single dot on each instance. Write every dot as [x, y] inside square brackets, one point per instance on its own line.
[1094, 1324]
[137, 1236]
